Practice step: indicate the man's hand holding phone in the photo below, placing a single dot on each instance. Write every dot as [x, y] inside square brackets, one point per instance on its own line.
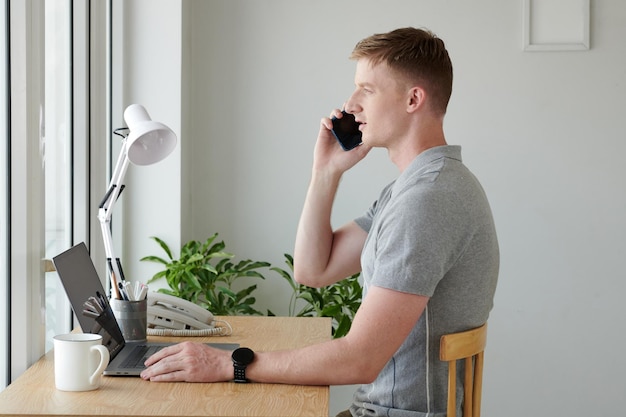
[346, 131]
[329, 153]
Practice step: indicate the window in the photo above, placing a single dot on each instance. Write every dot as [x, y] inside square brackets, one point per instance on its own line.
[4, 204]
[50, 189]
[57, 158]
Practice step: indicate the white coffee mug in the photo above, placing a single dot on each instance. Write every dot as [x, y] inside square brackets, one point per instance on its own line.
[79, 360]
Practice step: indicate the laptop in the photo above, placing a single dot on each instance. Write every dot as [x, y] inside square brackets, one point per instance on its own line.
[82, 285]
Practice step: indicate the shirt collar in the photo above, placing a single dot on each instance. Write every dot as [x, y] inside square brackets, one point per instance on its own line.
[424, 159]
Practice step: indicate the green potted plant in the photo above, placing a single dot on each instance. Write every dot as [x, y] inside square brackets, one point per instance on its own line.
[204, 274]
[339, 301]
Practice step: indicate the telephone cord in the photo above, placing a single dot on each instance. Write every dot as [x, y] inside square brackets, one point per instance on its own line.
[219, 330]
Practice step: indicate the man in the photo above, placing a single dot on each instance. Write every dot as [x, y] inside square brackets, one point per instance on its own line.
[427, 248]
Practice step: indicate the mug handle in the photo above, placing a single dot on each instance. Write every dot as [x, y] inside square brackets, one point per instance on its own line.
[104, 361]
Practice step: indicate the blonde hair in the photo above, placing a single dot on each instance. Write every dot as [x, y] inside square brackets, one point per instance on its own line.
[416, 54]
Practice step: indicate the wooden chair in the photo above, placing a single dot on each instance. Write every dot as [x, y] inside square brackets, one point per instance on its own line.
[469, 346]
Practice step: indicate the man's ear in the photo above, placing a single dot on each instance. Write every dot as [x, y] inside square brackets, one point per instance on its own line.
[416, 99]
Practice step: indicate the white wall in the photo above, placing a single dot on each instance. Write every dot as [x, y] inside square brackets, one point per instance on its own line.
[544, 131]
[152, 202]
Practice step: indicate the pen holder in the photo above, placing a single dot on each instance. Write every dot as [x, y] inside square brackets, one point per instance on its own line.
[132, 318]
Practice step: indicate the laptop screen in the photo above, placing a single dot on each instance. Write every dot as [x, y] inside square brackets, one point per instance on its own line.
[87, 297]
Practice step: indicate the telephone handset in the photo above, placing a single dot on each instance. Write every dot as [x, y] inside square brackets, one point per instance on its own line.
[169, 312]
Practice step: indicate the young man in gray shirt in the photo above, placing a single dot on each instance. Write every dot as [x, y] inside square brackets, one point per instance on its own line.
[427, 248]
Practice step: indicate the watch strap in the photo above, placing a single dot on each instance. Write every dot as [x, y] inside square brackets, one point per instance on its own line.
[240, 374]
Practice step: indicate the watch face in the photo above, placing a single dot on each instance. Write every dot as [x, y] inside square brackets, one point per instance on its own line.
[243, 356]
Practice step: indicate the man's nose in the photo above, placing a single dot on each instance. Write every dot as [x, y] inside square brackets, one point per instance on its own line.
[351, 106]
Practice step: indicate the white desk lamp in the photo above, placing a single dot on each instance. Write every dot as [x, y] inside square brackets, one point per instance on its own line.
[147, 142]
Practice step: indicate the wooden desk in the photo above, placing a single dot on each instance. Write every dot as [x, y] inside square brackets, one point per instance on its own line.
[34, 393]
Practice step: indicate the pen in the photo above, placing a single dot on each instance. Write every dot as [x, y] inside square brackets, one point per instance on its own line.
[96, 304]
[114, 286]
[103, 301]
[143, 293]
[123, 291]
[89, 306]
[91, 314]
[128, 291]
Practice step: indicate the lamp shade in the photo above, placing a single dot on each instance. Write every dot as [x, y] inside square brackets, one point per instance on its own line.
[148, 141]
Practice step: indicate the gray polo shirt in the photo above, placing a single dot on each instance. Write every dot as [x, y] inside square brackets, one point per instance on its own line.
[431, 232]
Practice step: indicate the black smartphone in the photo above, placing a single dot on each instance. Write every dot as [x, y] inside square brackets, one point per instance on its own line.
[346, 131]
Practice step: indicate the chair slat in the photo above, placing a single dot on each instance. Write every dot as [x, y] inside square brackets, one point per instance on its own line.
[478, 383]
[468, 392]
[452, 388]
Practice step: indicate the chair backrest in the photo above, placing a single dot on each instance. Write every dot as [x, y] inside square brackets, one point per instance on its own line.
[468, 346]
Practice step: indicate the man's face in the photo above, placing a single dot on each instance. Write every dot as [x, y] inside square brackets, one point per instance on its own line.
[379, 102]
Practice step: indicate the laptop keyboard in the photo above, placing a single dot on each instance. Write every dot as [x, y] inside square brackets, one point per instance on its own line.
[139, 355]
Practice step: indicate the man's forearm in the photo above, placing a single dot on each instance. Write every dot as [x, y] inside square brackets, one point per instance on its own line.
[329, 363]
[314, 238]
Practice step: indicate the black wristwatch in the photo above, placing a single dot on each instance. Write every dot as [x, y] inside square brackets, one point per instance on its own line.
[242, 357]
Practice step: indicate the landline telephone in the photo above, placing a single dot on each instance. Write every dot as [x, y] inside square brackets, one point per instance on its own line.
[172, 316]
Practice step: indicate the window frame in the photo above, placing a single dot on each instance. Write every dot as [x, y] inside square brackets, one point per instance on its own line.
[4, 203]
[25, 185]
[24, 244]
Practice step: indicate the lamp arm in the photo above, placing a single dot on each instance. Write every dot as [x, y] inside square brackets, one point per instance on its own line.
[113, 265]
[105, 212]
[115, 184]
